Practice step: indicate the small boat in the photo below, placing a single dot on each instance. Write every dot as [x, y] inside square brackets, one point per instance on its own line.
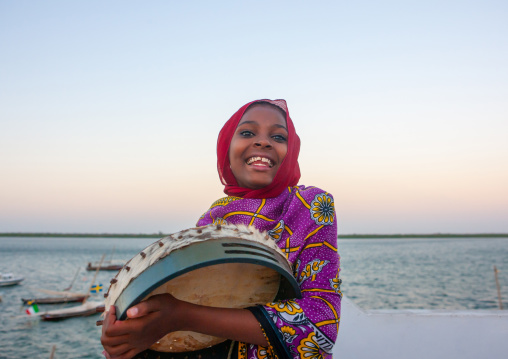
[54, 300]
[9, 279]
[85, 309]
[59, 298]
[106, 265]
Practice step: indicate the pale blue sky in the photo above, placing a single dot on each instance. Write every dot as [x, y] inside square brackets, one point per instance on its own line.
[110, 110]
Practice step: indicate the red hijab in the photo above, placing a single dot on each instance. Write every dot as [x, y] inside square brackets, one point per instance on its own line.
[288, 173]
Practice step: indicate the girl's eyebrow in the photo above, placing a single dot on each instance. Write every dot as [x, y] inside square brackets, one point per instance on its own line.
[244, 122]
[255, 123]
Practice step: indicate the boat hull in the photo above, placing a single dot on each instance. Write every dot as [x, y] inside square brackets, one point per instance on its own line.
[106, 265]
[111, 267]
[5, 283]
[55, 300]
[86, 309]
[56, 317]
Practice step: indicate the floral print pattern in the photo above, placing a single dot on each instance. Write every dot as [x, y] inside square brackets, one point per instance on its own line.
[311, 269]
[220, 221]
[242, 350]
[288, 333]
[301, 220]
[264, 353]
[290, 307]
[224, 201]
[309, 348]
[276, 233]
[335, 284]
[322, 209]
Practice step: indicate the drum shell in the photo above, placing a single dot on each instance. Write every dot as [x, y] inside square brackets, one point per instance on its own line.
[203, 254]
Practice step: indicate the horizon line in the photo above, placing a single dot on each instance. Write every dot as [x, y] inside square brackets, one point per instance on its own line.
[160, 234]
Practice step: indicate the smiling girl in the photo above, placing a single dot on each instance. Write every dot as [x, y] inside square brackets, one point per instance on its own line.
[257, 161]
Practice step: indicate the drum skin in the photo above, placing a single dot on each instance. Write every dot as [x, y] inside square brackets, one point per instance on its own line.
[224, 266]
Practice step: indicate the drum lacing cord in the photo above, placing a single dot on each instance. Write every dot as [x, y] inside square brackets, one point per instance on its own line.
[231, 349]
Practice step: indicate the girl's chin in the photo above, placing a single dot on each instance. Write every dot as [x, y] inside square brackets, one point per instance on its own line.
[257, 184]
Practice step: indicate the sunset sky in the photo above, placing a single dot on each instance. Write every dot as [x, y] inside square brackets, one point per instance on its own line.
[110, 110]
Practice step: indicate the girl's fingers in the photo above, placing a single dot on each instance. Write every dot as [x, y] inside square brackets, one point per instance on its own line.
[113, 341]
[112, 312]
[109, 318]
[132, 352]
[153, 304]
[144, 308]
[135, 311]
[127, 355]
[114, 328]
[120, 328]
[119, 350]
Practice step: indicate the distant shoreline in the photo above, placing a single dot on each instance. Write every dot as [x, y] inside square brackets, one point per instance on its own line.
[432, 235]
[340, 236]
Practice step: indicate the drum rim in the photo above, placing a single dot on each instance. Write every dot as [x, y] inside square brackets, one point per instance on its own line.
[173, 264]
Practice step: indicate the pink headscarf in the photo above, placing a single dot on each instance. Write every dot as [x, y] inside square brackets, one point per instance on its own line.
[288, 173]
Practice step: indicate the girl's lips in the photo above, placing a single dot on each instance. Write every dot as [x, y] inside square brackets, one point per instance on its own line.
[259, 167]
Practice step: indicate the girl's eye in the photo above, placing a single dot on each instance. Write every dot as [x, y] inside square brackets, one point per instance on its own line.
[279, 138]
[246, 133]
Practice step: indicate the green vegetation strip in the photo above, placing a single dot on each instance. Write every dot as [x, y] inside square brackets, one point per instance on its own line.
[84, 235]
[433, 235]
[340, 236]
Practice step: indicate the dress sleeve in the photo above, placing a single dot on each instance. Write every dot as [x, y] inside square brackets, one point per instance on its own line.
[308, 327]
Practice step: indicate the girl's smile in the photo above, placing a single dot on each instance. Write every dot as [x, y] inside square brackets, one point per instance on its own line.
[258, 146]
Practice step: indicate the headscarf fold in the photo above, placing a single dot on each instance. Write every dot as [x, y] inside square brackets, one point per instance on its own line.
[288, 173]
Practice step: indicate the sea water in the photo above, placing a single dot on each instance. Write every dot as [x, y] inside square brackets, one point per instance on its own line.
[430, 273]
[436, 273]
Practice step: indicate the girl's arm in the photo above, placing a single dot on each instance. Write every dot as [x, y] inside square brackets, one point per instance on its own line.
[161, 314]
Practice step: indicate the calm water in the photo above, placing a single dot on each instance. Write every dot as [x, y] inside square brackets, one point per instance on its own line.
[451, 273]
[377, 274]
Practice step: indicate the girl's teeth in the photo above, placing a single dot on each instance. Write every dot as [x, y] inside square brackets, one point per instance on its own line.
[262, 159]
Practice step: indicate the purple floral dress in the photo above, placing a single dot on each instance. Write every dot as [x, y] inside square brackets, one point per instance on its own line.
[301, 220]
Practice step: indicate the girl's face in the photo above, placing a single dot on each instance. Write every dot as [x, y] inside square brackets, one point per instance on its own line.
[258, 146]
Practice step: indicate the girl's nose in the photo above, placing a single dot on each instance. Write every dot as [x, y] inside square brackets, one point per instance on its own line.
[263, 143]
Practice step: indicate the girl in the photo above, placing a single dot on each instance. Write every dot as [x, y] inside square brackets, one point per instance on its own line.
[257, 161]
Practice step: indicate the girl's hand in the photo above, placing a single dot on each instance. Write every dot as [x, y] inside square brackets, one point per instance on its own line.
[148, 322]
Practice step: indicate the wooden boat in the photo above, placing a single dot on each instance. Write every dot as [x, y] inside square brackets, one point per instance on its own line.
[7, 279]
[106, 265]
[59, 298]
[85, 309]
[54, 300]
